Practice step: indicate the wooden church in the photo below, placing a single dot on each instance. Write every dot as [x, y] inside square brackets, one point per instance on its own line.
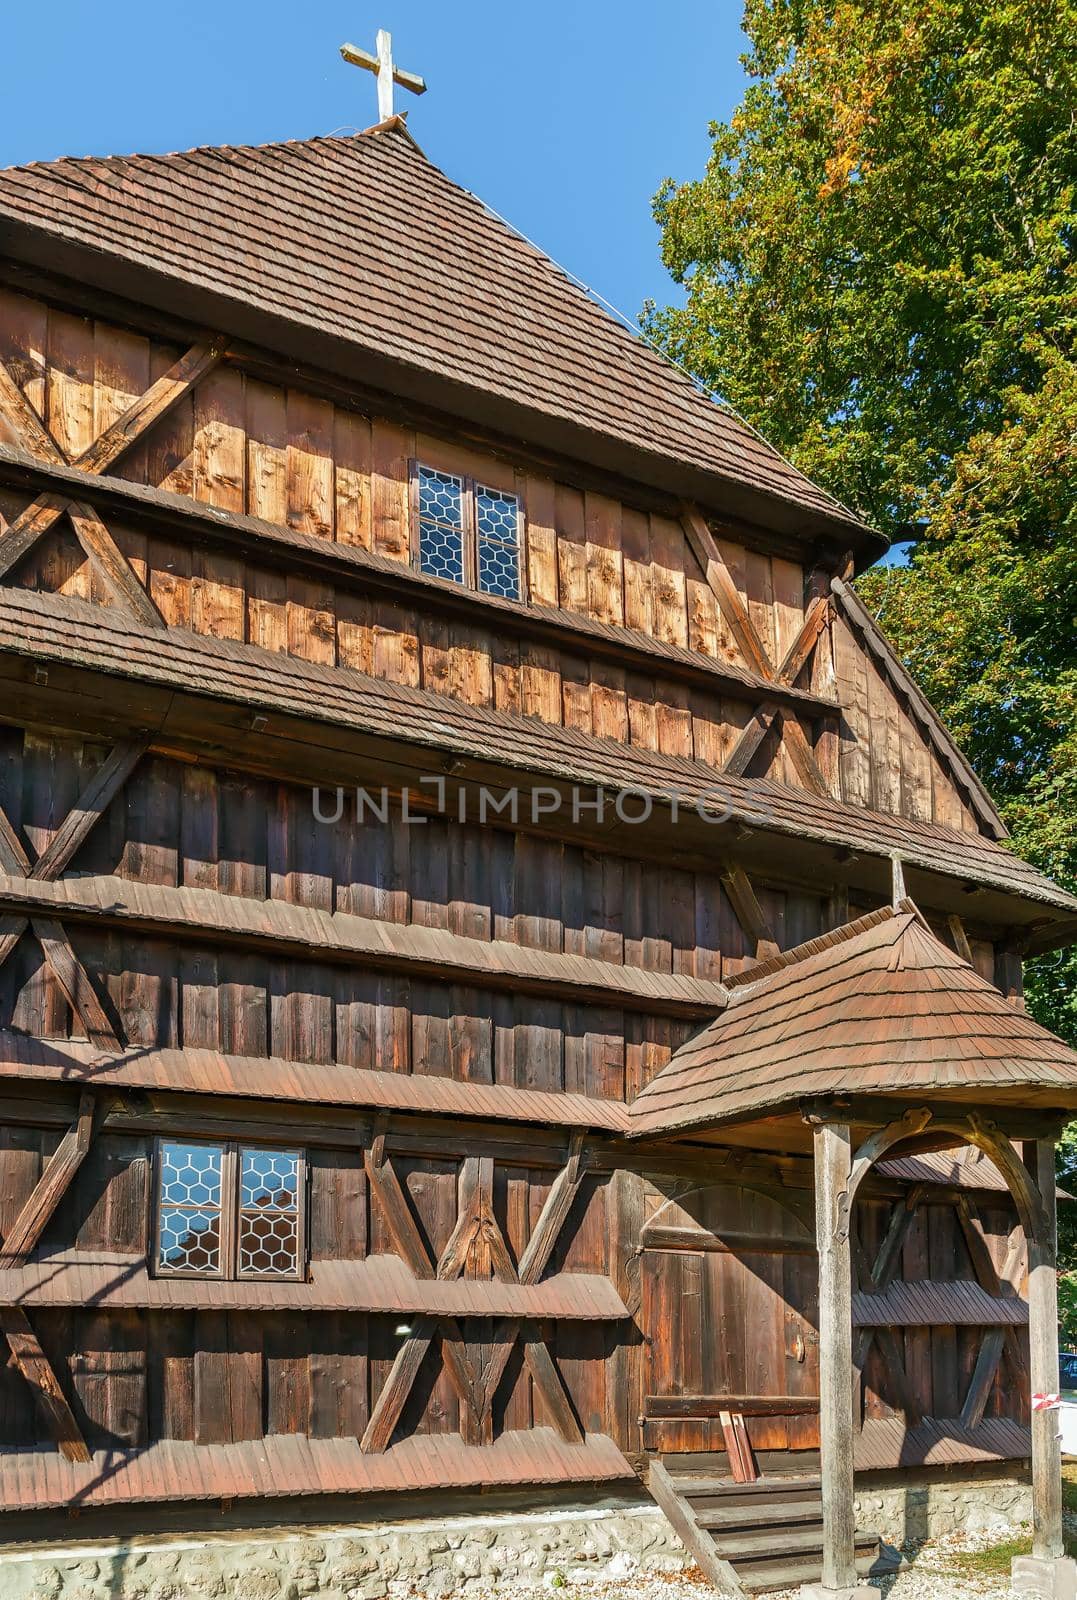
[506, 985]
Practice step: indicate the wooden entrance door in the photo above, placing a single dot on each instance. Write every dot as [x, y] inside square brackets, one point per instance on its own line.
[729, 1296]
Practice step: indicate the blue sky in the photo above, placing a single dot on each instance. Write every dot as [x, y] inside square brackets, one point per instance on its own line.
[565, 117]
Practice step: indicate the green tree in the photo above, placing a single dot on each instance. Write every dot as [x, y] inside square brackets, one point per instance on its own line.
[881, 248]
[880, 273]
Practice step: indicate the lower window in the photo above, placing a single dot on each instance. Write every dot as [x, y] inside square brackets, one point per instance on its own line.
[230, 1210]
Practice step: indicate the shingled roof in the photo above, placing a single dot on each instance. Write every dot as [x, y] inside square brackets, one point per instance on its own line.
[878, 1007]
[359, 255]
[61, 628]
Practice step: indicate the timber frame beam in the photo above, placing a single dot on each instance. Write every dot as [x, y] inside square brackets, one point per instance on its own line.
[477, 1247]
[106, 559]
[21, 1239]
[44, 922]
[768, 713]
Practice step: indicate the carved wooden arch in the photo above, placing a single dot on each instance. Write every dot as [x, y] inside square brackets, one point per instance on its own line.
[797, 1204]
[973, 1129]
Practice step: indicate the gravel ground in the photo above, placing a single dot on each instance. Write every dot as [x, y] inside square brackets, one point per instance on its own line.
[934, 1573]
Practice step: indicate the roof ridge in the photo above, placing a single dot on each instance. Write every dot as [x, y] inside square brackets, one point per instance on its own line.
[395, 124]
[813, 947]
[213, 219]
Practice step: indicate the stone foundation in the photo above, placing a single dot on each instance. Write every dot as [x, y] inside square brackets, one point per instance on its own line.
[429, 1558]
[432, 1557]
[907, 1510]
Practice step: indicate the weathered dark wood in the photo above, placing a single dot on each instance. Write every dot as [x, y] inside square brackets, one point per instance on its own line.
[1047, 1535]
[24, 420]
[387, 1190]
[705, 549]
[738, 1447]
[749, 912]
[798, 655]
[760, 724]
[33, 1364]
[960, 938]
[547, 1381]
[833, 1167]
[554, 1215]
[109, 446]
[13, 857]
[983, 1377]
[712, 1405]
[51, 1187]
[113, 566]
[88, 809]
[398, 1386]
[20, 537]
[696, 1540]
[75, 982]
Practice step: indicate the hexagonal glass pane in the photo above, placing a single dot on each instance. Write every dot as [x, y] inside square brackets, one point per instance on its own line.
[269, 1212]
[498, 518]
[441, 524]
[190, 1241]
[269, 1178]
[191, 1173]
[269, 1245]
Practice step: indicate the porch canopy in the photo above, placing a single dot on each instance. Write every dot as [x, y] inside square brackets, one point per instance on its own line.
[878, 1008]
[875, 1036]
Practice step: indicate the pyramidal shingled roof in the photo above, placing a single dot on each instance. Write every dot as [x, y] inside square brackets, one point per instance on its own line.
[365, 244]
[877, 1007]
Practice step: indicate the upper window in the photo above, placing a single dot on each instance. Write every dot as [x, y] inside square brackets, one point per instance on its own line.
[468, 533]
[229, 1211]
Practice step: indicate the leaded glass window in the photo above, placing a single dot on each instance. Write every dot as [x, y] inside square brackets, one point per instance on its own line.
[228, 1210]
[498, 542]
[441, 524]
[468, 532]
[189, 1220]
[268, 1213]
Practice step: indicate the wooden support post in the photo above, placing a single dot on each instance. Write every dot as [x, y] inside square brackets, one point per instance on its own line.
[1048, 1571]
[1043, 1363]
[833, 1167]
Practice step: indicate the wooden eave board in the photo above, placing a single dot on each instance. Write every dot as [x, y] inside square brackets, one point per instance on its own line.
[880, 1006]
[380, 1283]
[376, 943]
[77, 634]
[367, 571]
[362, 245]
[925, 1304]
[210, 1072]
[885, 1443]
[290, 1465]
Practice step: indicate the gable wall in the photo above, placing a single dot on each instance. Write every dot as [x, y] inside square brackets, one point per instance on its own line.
[244, 445]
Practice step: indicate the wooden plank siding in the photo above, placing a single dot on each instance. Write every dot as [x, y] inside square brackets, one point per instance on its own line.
[451, 1017]
[238, 444]
[728, 1304]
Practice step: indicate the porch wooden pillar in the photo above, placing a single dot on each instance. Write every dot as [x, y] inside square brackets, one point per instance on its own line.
[1043, 1362]
[833, 1163]
[1048, 1571]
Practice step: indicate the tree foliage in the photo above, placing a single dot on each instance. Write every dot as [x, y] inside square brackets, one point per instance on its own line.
[881, 248]
[880, 273]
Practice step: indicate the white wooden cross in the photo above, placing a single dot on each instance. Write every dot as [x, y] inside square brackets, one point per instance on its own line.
[387, 72]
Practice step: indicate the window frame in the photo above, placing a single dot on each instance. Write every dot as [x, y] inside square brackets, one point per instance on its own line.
[470, 488]
[231, 1211]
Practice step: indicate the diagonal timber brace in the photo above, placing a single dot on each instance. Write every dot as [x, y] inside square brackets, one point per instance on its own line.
[478, 1245]
[56, 948]
[704, 546]
[22, 1237]
[105, 557]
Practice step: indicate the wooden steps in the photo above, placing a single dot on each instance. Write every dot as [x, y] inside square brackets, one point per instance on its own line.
[748, 1538]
